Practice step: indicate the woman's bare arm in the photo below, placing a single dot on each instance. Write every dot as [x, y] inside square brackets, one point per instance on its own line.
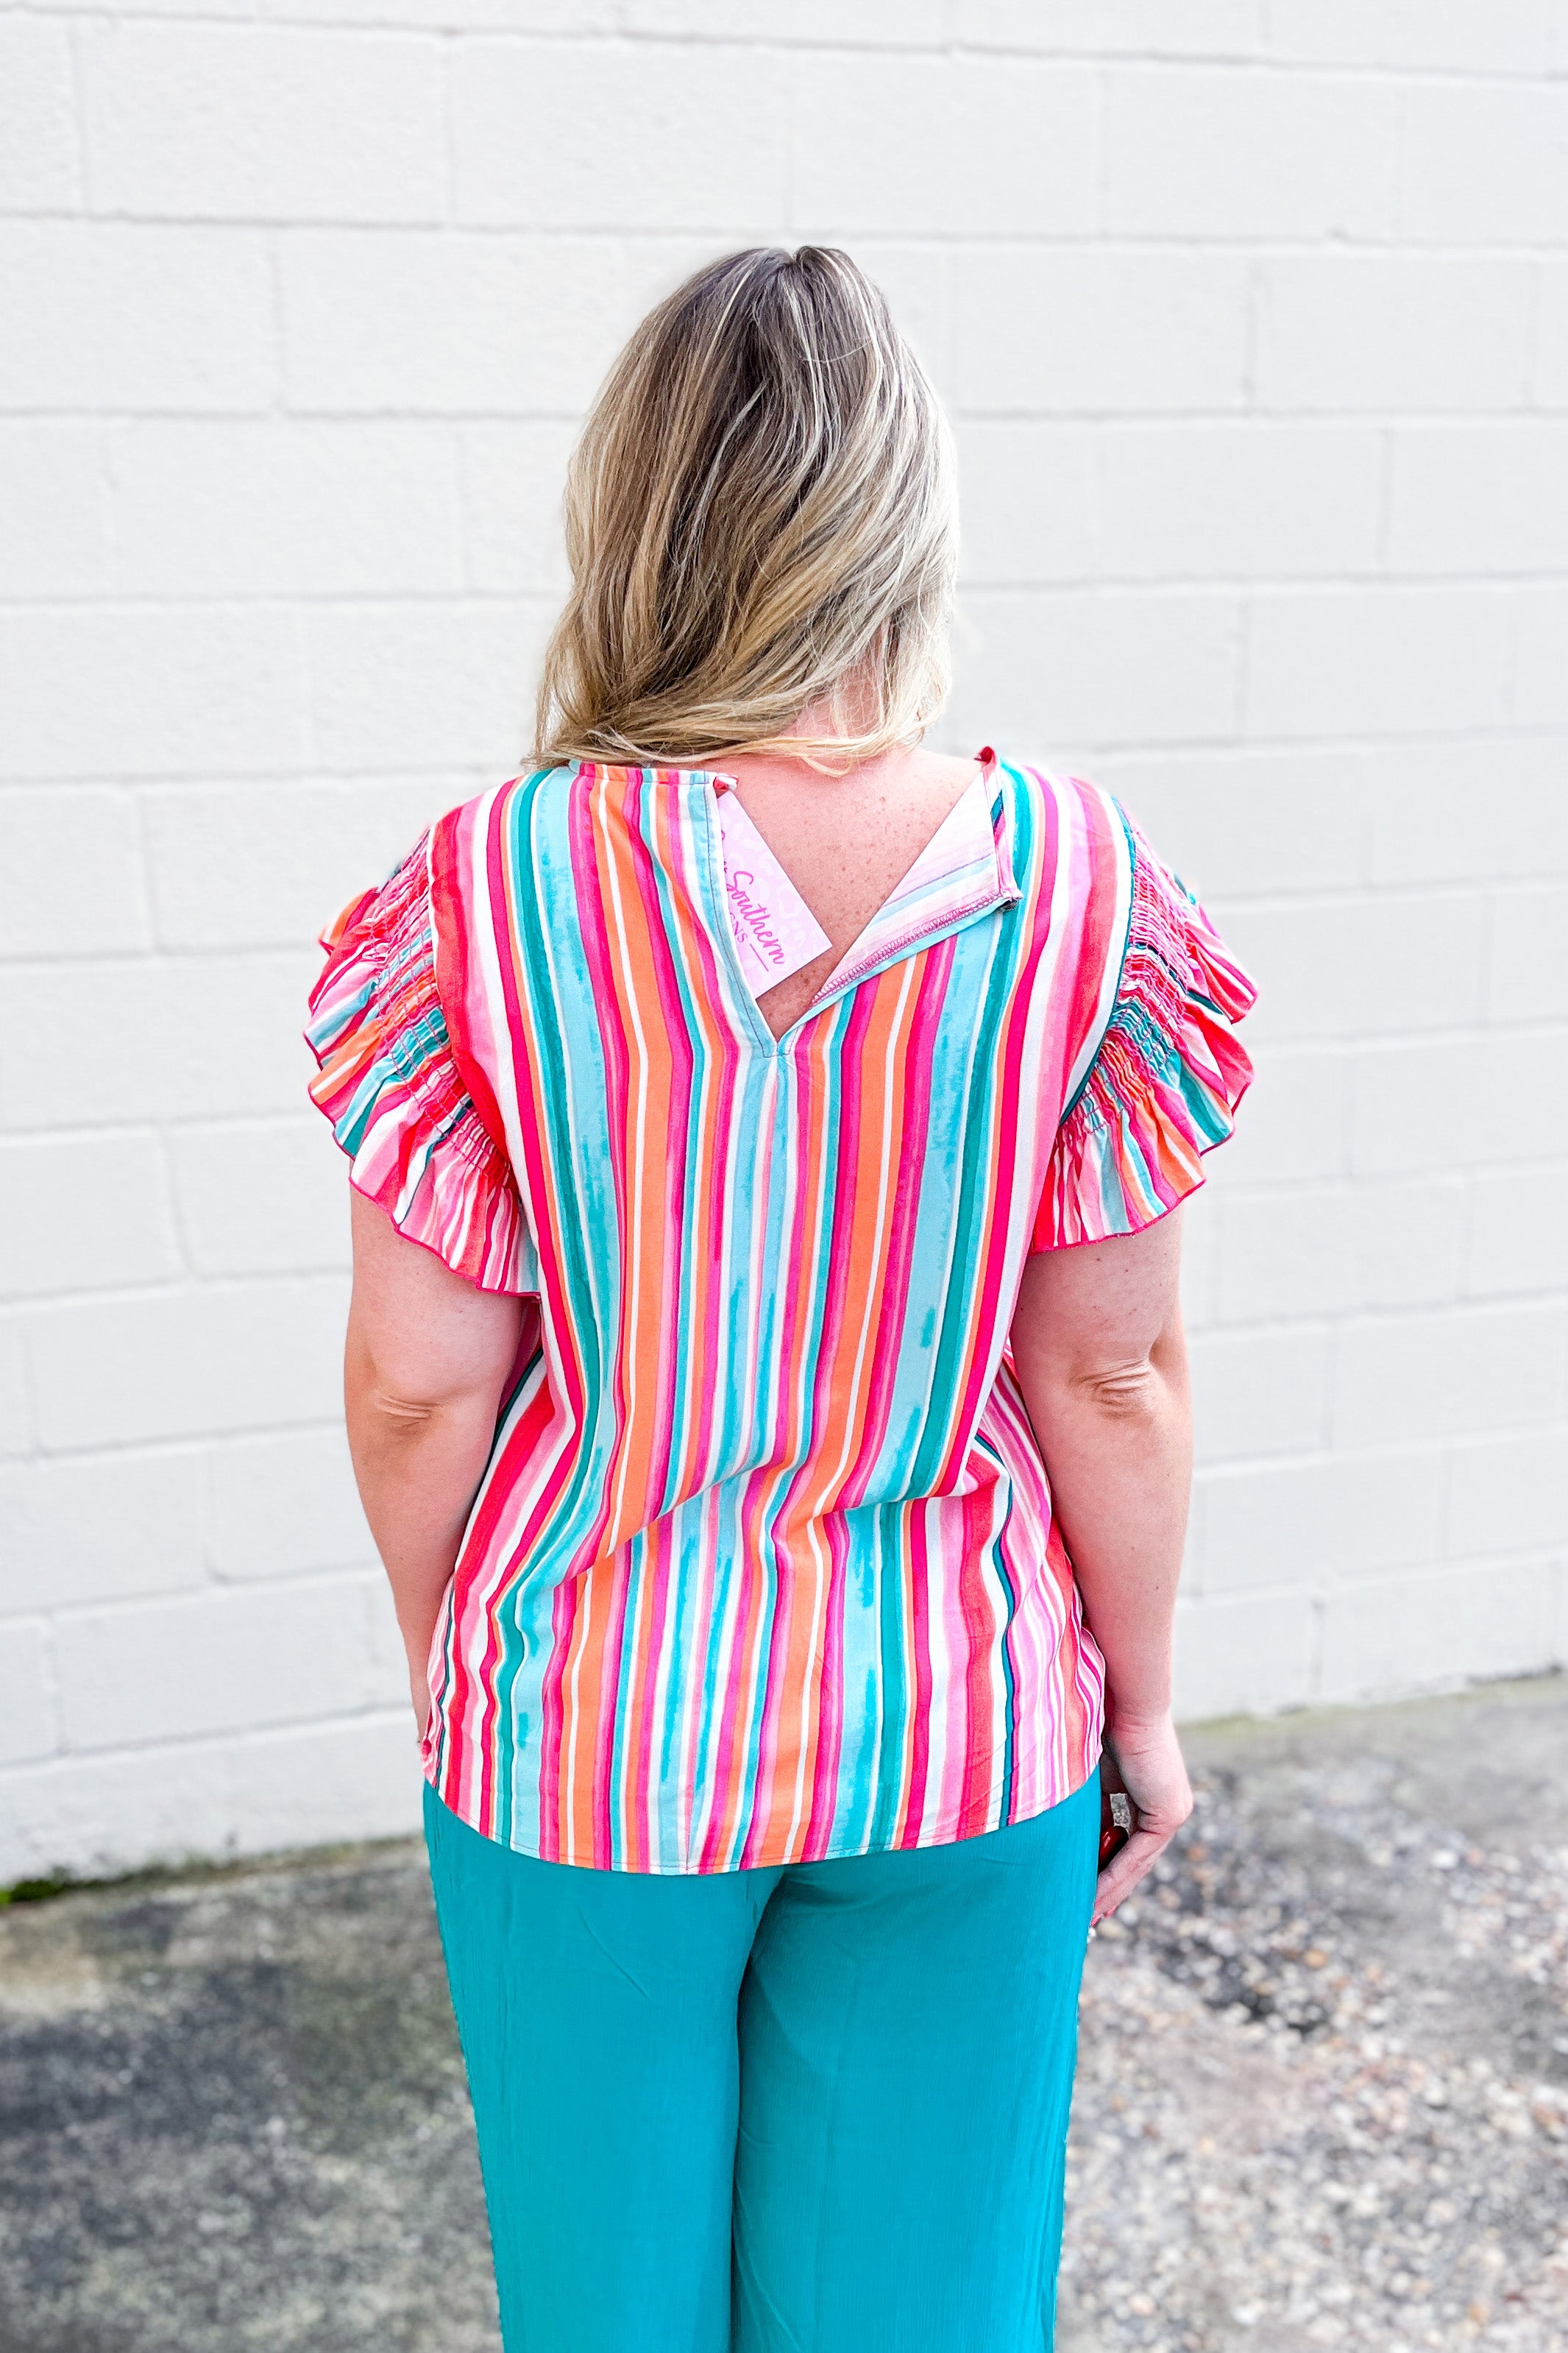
[1102, 1360]
[426, 1361]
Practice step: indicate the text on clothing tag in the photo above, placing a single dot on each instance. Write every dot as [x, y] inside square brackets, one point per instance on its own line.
[774, 930]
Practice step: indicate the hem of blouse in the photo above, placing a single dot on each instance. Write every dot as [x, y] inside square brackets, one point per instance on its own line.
[833, 1854]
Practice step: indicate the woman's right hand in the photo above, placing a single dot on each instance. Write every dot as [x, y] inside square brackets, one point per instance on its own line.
[1142, 1756]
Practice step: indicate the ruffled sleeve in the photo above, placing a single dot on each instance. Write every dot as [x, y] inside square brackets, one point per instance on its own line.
[1168, 1074]
[390, 1085]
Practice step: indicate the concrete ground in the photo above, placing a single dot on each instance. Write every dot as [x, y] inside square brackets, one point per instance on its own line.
[1322, 2094]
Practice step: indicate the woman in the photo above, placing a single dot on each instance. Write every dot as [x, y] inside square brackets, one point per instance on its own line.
[765, 1135]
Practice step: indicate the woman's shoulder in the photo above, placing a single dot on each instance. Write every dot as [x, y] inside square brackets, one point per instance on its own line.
[1069, 836]
[1078, 800]
[482, 809]
[458, 846]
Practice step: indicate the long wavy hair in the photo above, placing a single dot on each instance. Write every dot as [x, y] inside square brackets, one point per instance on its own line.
[760, 520]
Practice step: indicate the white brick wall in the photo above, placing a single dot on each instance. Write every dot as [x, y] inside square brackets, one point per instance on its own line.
[1252, 316]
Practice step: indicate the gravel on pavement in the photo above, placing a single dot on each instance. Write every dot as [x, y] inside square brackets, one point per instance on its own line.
[1323, 2093]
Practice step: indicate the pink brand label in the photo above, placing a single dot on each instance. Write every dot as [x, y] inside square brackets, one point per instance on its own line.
[774, 930]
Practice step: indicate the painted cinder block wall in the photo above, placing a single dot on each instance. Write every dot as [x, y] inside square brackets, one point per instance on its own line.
[1253, 320]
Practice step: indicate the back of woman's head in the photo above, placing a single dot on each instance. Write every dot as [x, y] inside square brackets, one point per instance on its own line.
[760, 520]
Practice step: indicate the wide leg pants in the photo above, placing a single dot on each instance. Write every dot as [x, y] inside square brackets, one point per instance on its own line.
[820, 2108]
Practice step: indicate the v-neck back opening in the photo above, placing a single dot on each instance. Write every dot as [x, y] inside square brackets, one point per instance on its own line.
[971, 787]
[959, 873]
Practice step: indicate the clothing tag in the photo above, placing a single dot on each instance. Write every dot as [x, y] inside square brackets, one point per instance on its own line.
[962, 844]
[774, 930]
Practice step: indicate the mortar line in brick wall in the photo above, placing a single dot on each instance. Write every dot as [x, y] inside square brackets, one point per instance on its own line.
[1387, 431]
[382, 1711]
[185, 1287]
[365, 1574]
[310, 711]
[1253, 58]
[78, 117]
[1510, 667]
[1216, 1470]
[1252, 312]
[1197, 1593]
[159, 954]
[449, 35]
[1515, 885]
[1468, 1212]
[1446, 1498]
[1308, 1324]
[300, 607]
[868, 237]
[1315, 1664]
[247, 1735]
[1254, 1190]
[1549, 1554]
[1263, 64]
[176, 1212]
[34, 1623]
[1241, 664]
[278, 601]
[74, 1758]
[1102, 149]
[1520, 1170]
[209, 1436]
[120, 1450]
[304, 601]
[369, 777]
[300, 603]
[1118, 418]
[1532, 351]
[190, 1280]
[1186, 748]
[1492, 896]
[460, 445]
[273, 264]
[1529, 1306]
[1401, 150]
[146, 891]
[788, 188]
[1132, 418]
[1476, 1442]
[1254, 586]
[1334, 898]
[1456, 1306]
[145, 1131]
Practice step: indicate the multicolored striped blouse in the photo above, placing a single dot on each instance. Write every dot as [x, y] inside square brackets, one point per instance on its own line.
[762, 1567]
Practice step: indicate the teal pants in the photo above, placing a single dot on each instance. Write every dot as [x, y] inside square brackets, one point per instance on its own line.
[820, 2108]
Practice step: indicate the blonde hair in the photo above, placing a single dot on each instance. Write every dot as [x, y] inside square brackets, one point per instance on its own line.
[760, 517]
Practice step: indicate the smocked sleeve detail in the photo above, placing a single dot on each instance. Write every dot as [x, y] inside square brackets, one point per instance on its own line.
[390, 1085]
[1166, 1079]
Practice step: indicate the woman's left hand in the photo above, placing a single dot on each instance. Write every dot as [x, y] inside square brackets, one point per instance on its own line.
[419, 1692]
[1144, 1757]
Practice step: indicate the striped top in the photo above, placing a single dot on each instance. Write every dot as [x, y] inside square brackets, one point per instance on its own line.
[762, 1567]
